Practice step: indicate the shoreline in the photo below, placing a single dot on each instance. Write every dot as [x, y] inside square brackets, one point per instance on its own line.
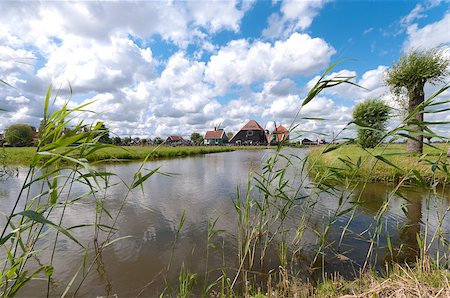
[386, 163]
[21, 156]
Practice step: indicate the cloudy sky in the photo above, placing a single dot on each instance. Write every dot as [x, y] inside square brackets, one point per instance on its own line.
[156, 68]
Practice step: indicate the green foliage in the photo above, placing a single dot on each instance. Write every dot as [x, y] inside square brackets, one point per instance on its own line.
[104, 134]
[407, 80]
[370, 116]
[19, 135]
[116, 141]
[416, 68]
[158, 141]
[196, 138]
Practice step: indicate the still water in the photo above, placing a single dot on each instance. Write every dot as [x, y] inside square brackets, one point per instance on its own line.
[203, 188]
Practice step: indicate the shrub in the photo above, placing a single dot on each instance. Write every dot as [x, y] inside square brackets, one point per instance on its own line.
[371, 116]
[19, 135]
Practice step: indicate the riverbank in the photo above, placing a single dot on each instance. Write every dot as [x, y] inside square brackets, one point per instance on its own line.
[386, 163]
[23, 155]
[401, 281]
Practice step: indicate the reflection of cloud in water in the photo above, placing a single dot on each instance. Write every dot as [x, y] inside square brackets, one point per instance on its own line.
[204, 187]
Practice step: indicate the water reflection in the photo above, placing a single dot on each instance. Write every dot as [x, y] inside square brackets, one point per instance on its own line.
[204, 187]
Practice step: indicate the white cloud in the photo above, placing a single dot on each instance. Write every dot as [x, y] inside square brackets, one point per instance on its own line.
[92, 66]
[216, 15]
[372, 82]
[245, 63]
[48, 22]
[429, 36]
[295, 15]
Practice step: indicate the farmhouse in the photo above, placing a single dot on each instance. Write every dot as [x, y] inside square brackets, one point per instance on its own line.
[250, 134]
[215, 137]
[307, 141]
[279, 134]
[175, 141]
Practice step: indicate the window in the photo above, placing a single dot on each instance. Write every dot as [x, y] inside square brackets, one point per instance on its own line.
[249, 133]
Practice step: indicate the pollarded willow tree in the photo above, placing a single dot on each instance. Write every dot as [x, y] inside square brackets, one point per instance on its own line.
[408, 77]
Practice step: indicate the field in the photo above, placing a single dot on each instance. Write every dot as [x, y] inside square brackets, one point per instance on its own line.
[389, 163]
[23, 155]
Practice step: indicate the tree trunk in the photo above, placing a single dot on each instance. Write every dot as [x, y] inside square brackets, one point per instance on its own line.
[415, 97]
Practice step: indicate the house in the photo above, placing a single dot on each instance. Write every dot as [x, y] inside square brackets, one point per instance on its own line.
[175, 141]
[250, 134]
[215, 137]
[278, 135]
[306, 141]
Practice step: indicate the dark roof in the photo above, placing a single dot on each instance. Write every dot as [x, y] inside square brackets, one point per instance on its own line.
[252, 125]
[175, 138]
[214, 134]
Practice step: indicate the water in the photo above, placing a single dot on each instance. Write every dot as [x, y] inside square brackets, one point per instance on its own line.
[204, 188]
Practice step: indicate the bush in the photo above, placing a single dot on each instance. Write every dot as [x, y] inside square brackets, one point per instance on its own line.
[19, 135]
[371, 116]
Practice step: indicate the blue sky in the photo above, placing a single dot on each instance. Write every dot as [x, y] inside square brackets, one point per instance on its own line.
[158, 68]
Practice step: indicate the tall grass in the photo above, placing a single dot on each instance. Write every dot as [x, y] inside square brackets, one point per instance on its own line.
[35, 223]
[274, 211]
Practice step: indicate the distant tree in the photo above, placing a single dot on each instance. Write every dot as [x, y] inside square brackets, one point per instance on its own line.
[104, 131]
[408, 77]
[116, 141]
[19, 135]
[371, 115]
[196, 138]
[144, 141]
[126, 141]
[137, 141]
[230, 135]
[158, 141]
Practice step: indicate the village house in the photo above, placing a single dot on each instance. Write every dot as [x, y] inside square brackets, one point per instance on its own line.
[250, 134]
[278, 135]
[215, 137]
[307, 141]
[175, 141]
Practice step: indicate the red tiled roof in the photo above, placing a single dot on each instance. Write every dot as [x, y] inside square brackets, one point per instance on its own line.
[214, 134]
[280, 129]
[252, 125]
[175, 138]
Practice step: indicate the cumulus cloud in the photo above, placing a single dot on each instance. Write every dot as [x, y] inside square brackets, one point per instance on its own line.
[245, 63]
[92, 66]
[372, 83]
[295, 15]
[429, 36]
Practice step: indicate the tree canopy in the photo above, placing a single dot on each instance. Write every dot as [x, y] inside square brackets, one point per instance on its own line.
[408, 77]
[371, 116]
[19, 135]
[196, 138]
[416, 68]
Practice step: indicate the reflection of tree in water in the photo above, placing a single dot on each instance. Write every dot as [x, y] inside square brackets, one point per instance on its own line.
[409, 247]
[372, 198]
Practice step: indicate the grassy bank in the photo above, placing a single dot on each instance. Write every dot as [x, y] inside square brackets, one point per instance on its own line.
[388, 163]
[23, 155]
[400, 281]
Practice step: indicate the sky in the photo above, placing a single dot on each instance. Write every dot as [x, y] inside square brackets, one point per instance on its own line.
[160, 68]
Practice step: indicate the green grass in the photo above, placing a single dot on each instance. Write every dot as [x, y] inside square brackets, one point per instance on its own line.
[403, 165]
[23, 155]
